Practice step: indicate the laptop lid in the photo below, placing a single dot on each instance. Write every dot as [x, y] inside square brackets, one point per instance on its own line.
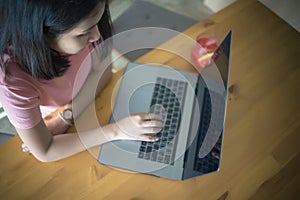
[199, 150]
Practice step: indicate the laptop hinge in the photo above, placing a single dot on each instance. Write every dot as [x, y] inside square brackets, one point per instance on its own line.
[188, 140]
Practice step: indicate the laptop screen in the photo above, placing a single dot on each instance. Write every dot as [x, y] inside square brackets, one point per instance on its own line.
[209, 135]
[221, 58]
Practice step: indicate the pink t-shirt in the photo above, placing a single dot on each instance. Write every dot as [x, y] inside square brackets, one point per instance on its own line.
[27, 100]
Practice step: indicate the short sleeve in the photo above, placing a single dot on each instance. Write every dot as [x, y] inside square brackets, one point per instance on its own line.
[20, 101]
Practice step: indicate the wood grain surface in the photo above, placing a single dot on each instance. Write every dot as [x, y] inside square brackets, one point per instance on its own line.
[261, 157]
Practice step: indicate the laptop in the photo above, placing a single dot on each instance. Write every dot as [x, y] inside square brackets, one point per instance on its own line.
[193, 107]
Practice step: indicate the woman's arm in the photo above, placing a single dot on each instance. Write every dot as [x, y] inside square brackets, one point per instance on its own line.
[47, 147]
[97, 79]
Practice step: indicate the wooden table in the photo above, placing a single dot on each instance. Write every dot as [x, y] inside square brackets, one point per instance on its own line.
[261, 157]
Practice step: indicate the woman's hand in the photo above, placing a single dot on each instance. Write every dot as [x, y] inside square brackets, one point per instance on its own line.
[141, 126]
[217, 148]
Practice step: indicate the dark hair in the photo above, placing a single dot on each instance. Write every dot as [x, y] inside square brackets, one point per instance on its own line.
[27, 26]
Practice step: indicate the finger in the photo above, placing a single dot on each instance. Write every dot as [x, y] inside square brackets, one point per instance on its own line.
[218, 146]
[149, 138]
[215, 154]
[157, 124]
[153, 139]
[151, 116]
[24, 148]
[153, 130]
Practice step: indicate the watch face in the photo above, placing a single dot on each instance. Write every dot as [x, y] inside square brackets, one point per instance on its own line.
[67, 114]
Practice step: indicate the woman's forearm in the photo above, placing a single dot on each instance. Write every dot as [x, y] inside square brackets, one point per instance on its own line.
[48, 148]
[65, 145]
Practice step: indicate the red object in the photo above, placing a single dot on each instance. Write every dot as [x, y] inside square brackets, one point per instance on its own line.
[203, 50]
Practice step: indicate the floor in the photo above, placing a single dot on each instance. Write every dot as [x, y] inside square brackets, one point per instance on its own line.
[6, 129]
[192, 8]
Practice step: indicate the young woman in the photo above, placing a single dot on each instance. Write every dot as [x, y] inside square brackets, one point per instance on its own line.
[42, 47]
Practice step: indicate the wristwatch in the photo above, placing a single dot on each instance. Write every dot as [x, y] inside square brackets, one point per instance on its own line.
[67, 116]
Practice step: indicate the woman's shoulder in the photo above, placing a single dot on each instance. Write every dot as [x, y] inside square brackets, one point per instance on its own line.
[13, 74]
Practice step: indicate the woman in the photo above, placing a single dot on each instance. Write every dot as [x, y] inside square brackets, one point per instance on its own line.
[42, 49]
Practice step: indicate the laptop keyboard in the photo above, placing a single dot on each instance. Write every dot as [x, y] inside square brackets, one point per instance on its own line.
[209, 162]
[167, 100]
